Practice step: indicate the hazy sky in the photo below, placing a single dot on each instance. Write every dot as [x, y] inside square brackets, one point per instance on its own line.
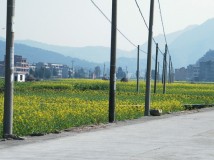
[78, 23]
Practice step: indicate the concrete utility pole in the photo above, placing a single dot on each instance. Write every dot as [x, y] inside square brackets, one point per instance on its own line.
[149, 59]
[172, 72]
[158, 78]
[138, 59]
[156, 68]
[169, 79]
[104, 70]
[127, 72]
[72, 62]
[112, 91]
[165, 70]
[9, 71]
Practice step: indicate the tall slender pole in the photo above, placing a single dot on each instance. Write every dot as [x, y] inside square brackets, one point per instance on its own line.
[156, 67]
[165, 70]
[112, 91]
[138, 59]
[9, 71]
[127, 72]
[149, 59]
[72, 68]
[158, 77]
[169, 80]
[104, 70]
[172, 72]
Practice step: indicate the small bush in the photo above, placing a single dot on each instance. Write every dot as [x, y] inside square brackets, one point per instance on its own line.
[51, 87]
[83, 87]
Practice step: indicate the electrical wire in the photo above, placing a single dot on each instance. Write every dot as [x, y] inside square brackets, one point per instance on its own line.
[117, 28]
[141, 14]
[161, 15]
[162, 21]
[146, 24]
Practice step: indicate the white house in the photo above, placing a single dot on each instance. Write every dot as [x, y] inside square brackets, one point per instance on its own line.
[18, 77]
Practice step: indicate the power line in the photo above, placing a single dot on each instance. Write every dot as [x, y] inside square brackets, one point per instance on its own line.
[117, 28]
[162, 21]
[146, 23]
[163, 24]
[141, 14]
[143, 51]
[164, 32]
[100, 11]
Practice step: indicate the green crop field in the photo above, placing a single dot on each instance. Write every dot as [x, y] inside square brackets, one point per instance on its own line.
[49, 106]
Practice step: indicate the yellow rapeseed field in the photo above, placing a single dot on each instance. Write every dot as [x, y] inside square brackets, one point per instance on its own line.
[49, 106]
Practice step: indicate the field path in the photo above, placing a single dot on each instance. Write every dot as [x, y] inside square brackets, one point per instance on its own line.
[186, 135]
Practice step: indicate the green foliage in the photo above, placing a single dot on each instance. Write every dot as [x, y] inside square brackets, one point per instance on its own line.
[51, 87]
[83, 87]
[47, 106]
[1, 85]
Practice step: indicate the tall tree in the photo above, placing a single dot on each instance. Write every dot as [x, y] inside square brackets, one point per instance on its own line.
[120, 73]
[97, 71]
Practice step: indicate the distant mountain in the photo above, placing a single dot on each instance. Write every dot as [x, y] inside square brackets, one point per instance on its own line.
[188, 45]
[35, 55]
[100, 54]
[171, 37]
[191, 45]
[209, 56]
[96, 54]
[185, 46]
